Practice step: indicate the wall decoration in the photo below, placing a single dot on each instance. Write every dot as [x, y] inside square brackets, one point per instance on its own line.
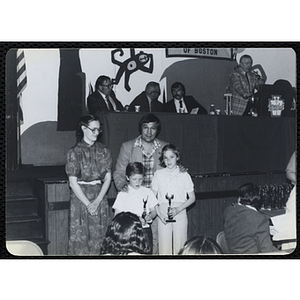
[134, 63]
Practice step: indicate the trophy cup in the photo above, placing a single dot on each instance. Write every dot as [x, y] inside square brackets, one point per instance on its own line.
[276, 106]
[170, 198]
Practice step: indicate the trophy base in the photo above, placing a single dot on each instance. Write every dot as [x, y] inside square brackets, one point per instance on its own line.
[170, 220]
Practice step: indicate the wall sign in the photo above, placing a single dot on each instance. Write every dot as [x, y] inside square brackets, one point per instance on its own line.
[224, 53]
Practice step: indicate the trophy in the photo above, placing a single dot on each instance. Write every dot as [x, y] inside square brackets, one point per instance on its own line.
[144, 208]
[170, 198]
[145, 223]
[276, 106]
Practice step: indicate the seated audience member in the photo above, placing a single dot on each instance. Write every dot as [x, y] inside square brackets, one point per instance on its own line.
[200, 245]
[104, 98]
[284, 226]
[148, 99]
[125, 236]
[246, 229]
[139, 199]
[182, 103]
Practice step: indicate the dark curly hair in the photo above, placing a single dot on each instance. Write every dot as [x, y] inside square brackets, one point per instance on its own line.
[200, 245]
[84, 120]
[150, 118]
[125, 235]
[249, 195]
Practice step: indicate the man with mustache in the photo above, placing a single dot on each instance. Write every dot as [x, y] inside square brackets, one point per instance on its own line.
[182, 103]
[146, 148]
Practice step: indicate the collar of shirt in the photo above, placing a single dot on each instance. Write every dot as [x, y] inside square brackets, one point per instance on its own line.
[242, 71]
[149, 103]
[104, 97]
[177, 105]
[138, 143]
[249, 206]
[149, 100]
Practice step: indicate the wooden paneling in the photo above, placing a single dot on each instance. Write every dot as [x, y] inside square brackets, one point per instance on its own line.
[58, 217]
[214, 193]
[54, 199]
[206, 216]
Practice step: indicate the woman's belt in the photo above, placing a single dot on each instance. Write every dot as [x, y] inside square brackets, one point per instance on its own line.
[94, 182]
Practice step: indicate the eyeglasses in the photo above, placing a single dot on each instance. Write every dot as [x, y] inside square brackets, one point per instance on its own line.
[94, 130]
[108, 85]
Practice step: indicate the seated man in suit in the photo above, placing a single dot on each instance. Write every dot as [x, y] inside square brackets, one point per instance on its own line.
[148, 99]
[182, 103]
[246, 229]
[104, 98]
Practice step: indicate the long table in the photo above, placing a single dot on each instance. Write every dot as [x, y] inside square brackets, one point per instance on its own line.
[220, 152]
[213, 144]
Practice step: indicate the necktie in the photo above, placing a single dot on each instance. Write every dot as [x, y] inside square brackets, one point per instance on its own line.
[180, 107]
[110, 107]
[247, 78]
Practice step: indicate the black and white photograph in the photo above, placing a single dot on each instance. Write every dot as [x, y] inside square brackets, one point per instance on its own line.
[151, 151]
[205, 89]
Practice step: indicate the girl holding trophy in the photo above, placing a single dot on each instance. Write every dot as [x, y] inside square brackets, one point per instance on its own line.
[175, 192]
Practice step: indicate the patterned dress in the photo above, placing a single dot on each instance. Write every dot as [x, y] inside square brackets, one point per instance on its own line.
[87, 163]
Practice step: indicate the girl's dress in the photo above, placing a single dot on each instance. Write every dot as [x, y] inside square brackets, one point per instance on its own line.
[88, 164]
[178, 184]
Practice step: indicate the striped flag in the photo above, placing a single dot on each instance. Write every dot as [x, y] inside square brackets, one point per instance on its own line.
[21, 78]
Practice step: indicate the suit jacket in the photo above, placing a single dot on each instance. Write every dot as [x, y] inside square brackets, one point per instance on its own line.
[247, 230]
[96, 103]
[128, 154]
[241, 89]
[143, 102]
[190, 103]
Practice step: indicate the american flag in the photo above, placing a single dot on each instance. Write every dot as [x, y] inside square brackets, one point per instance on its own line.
[21, 78]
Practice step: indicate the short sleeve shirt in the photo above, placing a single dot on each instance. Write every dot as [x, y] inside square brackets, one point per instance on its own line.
[172, 183]
[88, 163]
[132, 200]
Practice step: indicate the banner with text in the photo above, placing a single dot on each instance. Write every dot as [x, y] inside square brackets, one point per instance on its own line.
[225, 53]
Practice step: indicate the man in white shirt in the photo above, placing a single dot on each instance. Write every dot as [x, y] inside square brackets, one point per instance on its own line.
[182, 103]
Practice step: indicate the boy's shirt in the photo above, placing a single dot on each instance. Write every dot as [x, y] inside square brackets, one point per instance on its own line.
[132, 200]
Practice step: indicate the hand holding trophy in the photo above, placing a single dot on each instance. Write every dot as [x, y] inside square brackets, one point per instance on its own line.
[170, 217]
[146, 217]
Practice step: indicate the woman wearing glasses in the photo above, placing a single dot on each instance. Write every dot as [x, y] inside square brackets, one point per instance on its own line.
[89, 171]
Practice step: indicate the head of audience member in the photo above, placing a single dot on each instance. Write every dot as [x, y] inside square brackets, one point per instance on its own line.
[125, 236]
[248, 194]
[246, 63]
[104, 85]
[149, 127]
[200, 245]
[88, 128]
[152, 90]
[173, 149]
[178, 90]
[135, 174]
